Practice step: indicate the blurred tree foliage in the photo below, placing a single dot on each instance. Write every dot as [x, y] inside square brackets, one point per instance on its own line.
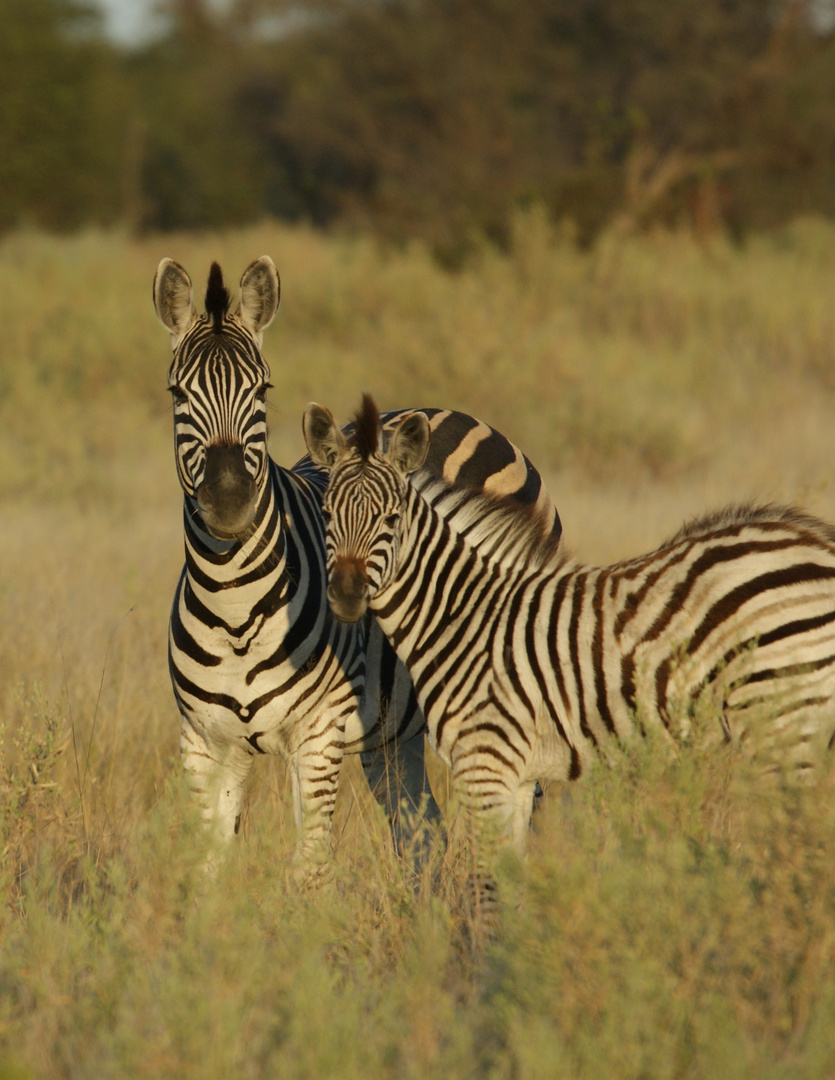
[62, 96]
[428, 118]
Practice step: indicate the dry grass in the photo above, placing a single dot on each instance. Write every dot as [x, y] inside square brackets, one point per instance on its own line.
[672, 920]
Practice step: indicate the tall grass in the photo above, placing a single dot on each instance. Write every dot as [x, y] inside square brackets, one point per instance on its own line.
[672, 919]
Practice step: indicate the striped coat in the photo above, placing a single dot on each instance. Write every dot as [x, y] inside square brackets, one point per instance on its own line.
[257, 661]
[527, 664]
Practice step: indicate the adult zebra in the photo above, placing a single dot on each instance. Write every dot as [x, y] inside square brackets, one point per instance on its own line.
[257, 661]
[526, 664]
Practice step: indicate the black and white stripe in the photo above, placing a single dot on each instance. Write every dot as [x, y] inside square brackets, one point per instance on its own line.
[527, 664]
[258, 663]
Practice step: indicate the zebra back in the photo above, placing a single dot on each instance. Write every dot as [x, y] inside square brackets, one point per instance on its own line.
[469, 455]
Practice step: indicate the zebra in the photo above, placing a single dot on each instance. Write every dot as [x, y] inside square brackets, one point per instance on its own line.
[528, 665]
[258, 663]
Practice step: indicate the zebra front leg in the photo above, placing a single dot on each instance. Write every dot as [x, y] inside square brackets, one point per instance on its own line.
[496, 813]
[314, 780]
[216, 774]
[396, 771]
[396, 774]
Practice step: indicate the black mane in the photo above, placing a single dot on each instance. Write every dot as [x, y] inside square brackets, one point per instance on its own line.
[366, 427]
[217, 297]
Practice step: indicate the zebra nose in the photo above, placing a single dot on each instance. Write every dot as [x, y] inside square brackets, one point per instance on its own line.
[348, 592]
[228, 495]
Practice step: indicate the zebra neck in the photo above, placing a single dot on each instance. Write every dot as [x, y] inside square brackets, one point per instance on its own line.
[284, 546]
[436, 570]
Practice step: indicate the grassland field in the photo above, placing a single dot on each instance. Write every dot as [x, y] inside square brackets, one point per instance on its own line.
[671, 920]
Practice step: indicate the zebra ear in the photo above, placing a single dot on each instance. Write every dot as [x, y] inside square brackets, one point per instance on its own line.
[172, 300]
[325, 442]
[260, 294]
[410, 443]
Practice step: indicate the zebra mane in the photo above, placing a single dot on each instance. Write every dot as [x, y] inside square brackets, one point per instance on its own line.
[518, 536]
[740, 514]
[217, 297]
[497, 527]
[366, 433]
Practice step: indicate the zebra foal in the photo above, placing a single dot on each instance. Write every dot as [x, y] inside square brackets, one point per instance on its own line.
[257, 661]
[527, 664]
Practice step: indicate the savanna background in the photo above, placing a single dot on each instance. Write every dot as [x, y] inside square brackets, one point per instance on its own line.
[605, 227]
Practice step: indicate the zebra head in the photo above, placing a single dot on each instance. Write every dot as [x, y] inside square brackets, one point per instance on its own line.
[364, 501]
[219, 380]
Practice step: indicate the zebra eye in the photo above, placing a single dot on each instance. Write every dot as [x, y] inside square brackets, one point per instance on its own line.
[261, 392]
[391, 520]
[178, 395]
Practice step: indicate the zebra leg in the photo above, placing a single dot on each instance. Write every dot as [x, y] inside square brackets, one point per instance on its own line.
[396, 774]
[216, 775]
[314, 779]
[497, 811]
[526, 798]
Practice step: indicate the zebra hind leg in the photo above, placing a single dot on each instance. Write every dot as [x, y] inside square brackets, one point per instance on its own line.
[396, 774]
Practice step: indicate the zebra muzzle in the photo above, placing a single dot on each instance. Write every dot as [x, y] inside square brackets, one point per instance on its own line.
[228, 496]
[348, 591]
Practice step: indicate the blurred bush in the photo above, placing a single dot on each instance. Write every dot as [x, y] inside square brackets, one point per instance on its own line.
[430, 119]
